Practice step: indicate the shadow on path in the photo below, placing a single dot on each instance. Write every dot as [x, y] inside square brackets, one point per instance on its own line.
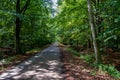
[43, 66]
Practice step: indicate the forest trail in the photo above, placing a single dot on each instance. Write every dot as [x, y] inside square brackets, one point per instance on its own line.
[45, 65]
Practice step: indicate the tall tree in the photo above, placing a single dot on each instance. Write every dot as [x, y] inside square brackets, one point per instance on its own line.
[18, 23]
[92, 24]
[17, 28]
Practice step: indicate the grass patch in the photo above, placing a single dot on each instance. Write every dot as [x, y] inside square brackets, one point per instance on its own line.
[88, 58]
[73, 52]
[33, 51]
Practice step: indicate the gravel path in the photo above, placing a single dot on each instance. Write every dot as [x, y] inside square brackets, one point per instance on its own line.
[45, 65]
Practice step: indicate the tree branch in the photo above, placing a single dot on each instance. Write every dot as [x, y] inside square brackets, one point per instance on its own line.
[25, 7]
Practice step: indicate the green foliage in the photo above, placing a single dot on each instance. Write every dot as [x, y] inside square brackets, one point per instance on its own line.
[106, 68]
[88, 58]
[109, 16]
[110, 69]
[69, 26]
[35, 28]
[73, 27]
[71, 22]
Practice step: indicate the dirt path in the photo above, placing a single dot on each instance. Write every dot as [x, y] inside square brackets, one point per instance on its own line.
[43, 66]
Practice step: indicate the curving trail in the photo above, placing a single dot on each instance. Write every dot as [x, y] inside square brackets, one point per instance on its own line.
[45, 65]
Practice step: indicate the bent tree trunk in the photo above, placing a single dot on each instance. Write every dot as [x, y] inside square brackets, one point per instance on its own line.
[92, 24]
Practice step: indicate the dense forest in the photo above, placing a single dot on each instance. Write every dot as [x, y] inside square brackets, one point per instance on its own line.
[24, 24]
[88, 26]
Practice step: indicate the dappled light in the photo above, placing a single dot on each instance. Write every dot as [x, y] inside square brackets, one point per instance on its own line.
[38, 67]
[59, 39]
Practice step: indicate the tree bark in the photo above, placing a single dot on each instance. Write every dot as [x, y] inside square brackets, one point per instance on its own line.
[18, 22]
[17, 28]
[92, 24]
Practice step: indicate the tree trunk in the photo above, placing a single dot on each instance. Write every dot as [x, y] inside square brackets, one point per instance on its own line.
[18, 22]
[92, 24]
[17, 28]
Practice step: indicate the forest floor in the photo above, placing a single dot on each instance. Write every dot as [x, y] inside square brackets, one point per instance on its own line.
[78, 69]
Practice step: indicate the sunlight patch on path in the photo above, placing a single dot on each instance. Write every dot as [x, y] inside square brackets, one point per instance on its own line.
[43, 66]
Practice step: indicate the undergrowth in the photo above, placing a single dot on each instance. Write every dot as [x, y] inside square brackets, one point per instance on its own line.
[89, 58]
